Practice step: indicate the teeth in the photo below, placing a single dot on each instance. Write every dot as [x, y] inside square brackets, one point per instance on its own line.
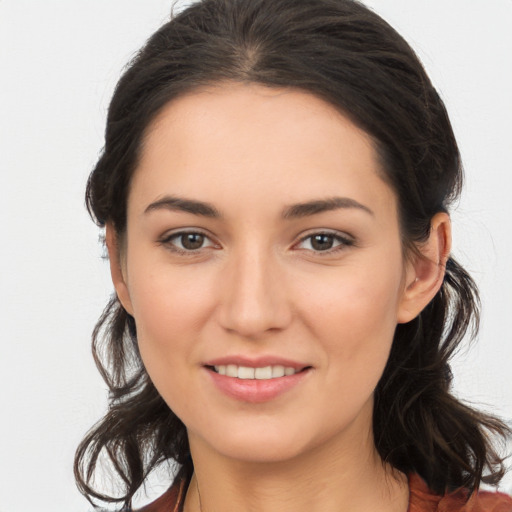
[262, 373]
[244, 372]
[232, 370]
[277, 371]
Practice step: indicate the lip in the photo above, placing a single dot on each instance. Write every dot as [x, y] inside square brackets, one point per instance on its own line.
[255, 390]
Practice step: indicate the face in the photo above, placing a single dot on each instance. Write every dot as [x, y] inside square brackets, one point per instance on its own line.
[263, 265]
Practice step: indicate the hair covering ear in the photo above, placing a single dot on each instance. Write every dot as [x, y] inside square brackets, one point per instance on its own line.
[426, 270]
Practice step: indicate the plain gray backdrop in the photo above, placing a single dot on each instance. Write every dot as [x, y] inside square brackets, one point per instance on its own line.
[59, 62]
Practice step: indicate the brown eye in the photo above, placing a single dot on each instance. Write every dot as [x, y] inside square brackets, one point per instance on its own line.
[322, 242]
[325, 242]
[187, 242]
[192, 241]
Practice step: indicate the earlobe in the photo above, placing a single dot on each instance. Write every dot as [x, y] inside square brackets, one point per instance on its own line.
[116, 268]
[426, 270]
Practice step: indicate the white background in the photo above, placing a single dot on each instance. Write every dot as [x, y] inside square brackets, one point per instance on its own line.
[59, 61]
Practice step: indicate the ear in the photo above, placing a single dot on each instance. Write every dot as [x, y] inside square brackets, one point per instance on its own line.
[117, 271]
[425, 270]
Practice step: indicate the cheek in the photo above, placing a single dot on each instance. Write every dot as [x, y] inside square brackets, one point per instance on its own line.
[170, 305]
[354, 317]
[167, 295]
[360, 296]
[170, 308]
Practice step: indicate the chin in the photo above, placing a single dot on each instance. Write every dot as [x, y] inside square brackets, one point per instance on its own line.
[262, 444]
[262, 451]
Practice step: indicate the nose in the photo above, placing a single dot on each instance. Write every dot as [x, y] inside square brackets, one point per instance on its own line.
[254, 298]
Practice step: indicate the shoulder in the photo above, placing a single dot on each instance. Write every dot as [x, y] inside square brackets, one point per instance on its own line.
[422, 499]
[170, 501]
[483, 501]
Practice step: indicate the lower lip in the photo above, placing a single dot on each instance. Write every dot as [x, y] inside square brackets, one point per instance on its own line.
[256, 390]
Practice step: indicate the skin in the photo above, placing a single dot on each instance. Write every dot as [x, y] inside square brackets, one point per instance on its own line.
[258, 286]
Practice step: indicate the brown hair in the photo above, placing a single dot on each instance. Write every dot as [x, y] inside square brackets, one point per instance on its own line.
[344, 53]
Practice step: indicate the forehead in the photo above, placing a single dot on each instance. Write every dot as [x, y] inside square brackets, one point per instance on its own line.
[219, 110]
[284, 145]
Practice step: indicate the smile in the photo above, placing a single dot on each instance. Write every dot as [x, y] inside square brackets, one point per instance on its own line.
[256, 384]
[260, 373]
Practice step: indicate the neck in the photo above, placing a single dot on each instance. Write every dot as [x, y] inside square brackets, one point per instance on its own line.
[331, 478]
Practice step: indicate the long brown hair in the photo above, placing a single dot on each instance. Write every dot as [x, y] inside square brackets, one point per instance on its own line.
[344, 53]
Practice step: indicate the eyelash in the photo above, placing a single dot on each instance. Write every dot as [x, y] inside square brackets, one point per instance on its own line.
[168, 242]
[343, 242]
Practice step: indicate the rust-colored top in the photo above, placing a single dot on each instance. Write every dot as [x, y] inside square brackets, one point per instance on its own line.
[421, 500]
[171, 501]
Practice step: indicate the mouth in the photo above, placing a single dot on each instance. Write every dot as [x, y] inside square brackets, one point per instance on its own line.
[257, 380]
[256, 373]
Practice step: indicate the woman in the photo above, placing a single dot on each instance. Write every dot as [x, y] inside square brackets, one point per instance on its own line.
[275, 186]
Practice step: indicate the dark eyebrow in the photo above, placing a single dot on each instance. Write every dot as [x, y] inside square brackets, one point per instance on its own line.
[294, 211]
[322, 205]
[184, 205]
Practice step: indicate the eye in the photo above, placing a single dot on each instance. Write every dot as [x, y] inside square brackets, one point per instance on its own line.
[187, 241]
[325, 242]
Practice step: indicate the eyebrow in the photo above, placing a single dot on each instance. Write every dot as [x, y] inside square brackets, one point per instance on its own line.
[174, 203]
[322, 205]
[294, 211]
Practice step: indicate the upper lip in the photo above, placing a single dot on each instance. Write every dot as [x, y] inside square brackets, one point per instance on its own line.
[256, 362]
